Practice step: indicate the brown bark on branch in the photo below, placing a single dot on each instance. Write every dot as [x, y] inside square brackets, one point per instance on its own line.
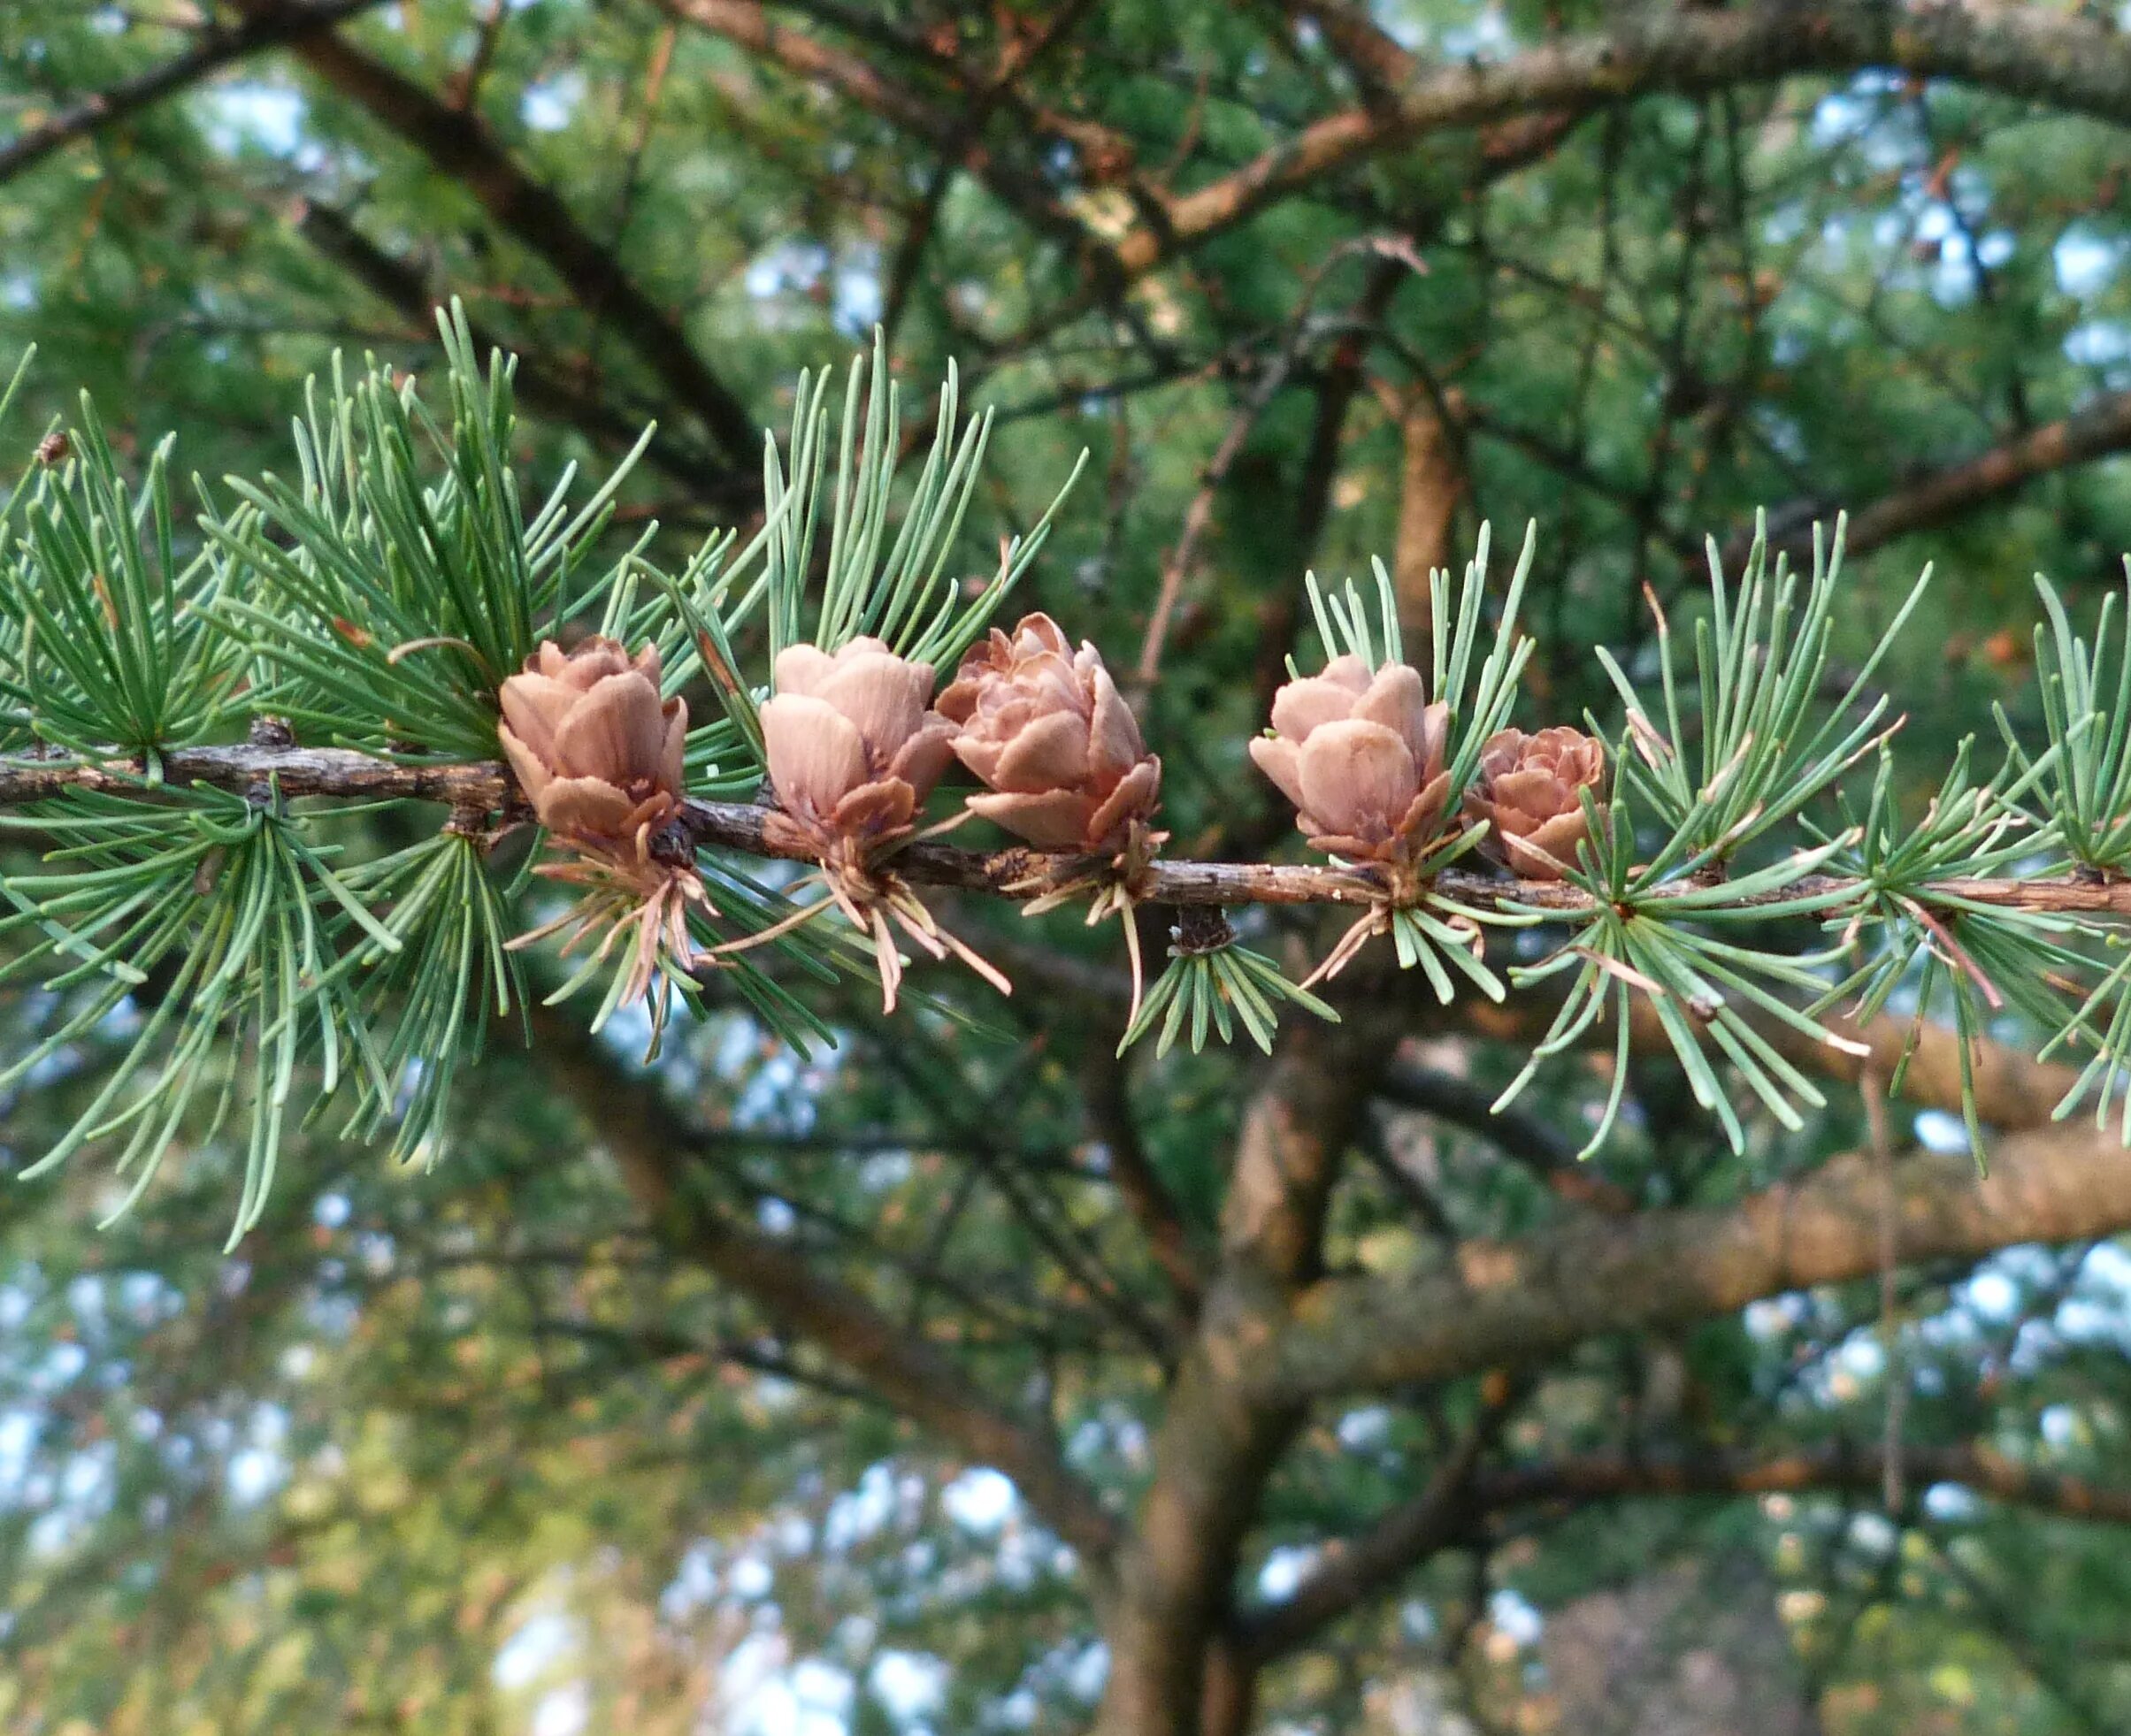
[271, 27]
[1220, 1439]
[1516, 1303]
[402, 286]
[2075, 66]
[1838, 1465]
[1016, 872]
[2097, 431]
[905, 1372]
[461, 145]
[747, 25]
[1460, 1499]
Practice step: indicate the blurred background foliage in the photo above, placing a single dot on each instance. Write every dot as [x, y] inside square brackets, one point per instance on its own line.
[485, 1447]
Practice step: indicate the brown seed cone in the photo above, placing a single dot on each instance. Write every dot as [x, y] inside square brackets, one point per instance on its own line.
[853, 750]
[596, 751]
[1360, 756]
[1529, 790]
[1044, 727]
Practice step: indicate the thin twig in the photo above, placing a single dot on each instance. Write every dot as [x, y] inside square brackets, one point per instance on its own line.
[1016, 873]
[1872, 1087]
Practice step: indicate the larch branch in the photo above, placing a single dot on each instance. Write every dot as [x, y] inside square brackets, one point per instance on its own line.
[214, 48]
[904, 1371]
[1513, 1303]
[1835, 1466]
[461, 145]
[2098, 430]
[2079, 67]
[1016, 872]
[1460, 1498]
[402, 286]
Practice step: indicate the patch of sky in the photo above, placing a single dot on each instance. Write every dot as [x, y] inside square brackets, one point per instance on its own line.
[89, 1479]
[376, 1252]
[62, 1365]
[1363, 1430]
[1514, 1616]
[522, 1659]
[628, 1033]
[549, 105]
[1862, 1356]
[1086, 1675]
[564, 1711]
[333, 1317]
[909, 1684]
[85, 1302]
[1016, 1710]
[856, 297]
[979, 1501]
[1781, 431]
[883, 1172]
[1992, 1295]
[789, 265]
[1397, 21]
[860, 1512]
[1113, 1431]
[52, 1069]
[1836, 117]
[693, 1584]
[2108, 1267]
[1486, 37]
[48, 1537]
[2104, 344]
[762, 1696]
[752, 1578]
[1785, 221]
[1857, 116]
[18, 1448]
[2086, 261]
[2083, 1320]
[1939, 1130]
[261, 1466]
[147, 1299]
[249, 115]
[1285, 1569]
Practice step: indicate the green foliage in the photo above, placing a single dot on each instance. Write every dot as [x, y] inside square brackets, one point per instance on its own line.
[500, 1404]
[1210, 986]
[429, 982]
[109, 644]
[392, 589]
[906, 598]
[1759, 678]
[377, 601]
[2089, 735]
[1645, 934]
[1981, 958]
[212, 919]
